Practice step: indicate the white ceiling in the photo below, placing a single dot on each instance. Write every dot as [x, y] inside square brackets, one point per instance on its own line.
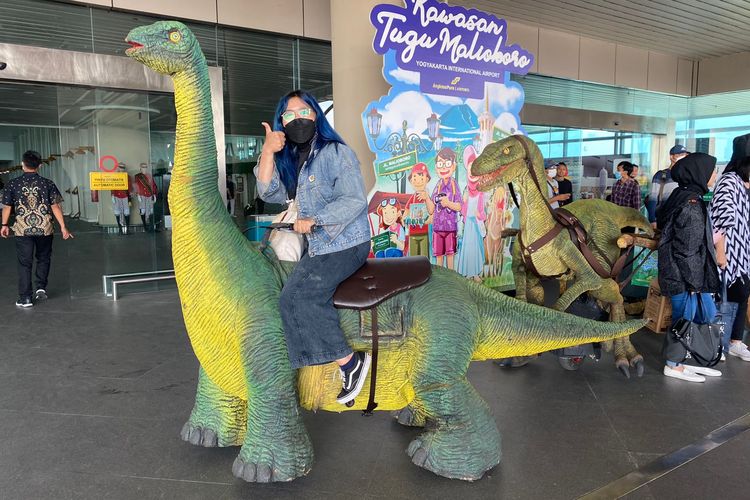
[694, 29]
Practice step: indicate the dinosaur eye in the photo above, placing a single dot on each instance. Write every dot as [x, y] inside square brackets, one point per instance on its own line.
[175, 36]
[506, 151]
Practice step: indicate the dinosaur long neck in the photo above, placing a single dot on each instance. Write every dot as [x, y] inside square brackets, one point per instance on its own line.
[536, 219]
[201, 224]
[195, 173]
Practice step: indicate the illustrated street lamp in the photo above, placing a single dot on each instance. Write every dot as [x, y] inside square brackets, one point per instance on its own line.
[401, 143]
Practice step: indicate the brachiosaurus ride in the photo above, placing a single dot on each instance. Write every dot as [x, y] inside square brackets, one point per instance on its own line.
[248, 394]
[579, 242]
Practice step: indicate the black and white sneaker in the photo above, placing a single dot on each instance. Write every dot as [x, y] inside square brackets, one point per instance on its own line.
[24, 302]
[40, 294]
[354, 379]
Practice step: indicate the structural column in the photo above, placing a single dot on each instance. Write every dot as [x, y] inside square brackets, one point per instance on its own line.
[357, 74]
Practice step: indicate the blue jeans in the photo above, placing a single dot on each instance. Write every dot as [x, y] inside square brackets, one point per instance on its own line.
[311, 322]
[685, 305]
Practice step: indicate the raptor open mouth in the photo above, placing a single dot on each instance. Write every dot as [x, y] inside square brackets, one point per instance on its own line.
[133, 46]
[488, 180]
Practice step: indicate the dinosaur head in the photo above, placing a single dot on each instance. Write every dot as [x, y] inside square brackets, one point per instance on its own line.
[167, 47]
[504, 161]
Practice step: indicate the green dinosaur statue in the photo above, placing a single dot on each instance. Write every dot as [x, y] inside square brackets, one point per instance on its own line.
[511, 160]
[248, 394]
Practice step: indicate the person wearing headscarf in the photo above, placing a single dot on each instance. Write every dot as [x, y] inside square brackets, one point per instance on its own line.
[687, 262]
[730, 215]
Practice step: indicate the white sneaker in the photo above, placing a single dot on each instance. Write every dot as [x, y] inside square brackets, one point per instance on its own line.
[740, 350]
[723, 357]
[683, 375]
[702, 370]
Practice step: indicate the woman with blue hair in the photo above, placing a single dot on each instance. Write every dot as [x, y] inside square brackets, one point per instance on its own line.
[304, 159]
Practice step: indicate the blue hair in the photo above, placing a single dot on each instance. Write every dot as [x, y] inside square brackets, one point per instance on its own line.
[286, 159]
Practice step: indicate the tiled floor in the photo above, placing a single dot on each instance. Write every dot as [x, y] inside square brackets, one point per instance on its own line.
[94, 394]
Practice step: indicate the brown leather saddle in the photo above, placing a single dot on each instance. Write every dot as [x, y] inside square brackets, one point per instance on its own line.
[578, 235]
[380, 279]
[372, 284]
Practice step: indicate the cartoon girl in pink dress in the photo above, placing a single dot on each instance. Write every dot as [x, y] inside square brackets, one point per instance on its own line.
[471, 250]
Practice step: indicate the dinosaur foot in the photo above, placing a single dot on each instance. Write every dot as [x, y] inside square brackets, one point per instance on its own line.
[432, 451]
[268, 470]
[636, 362]
[408, 416]
[198, 436]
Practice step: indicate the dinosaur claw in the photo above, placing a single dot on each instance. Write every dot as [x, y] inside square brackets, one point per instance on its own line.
[263, 474]
[640, 366]
[195, 437]
[185, 432]
[413, 447]
[243, 470]
[210, 440]
[624, 369]
[419, 457]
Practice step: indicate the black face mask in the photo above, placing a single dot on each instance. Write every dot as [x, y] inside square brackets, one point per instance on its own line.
[300, 130]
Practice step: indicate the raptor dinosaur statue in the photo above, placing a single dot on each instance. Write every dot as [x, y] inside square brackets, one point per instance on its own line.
[544, 249]
[247, 392]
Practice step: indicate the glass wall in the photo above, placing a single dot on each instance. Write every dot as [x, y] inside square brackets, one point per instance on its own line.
[79, 131]
[75, 127]
[592, 156]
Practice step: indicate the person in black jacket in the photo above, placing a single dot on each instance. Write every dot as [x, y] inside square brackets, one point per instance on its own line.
[687, 263]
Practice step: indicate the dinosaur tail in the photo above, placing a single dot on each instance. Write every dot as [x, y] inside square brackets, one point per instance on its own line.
[509, 327]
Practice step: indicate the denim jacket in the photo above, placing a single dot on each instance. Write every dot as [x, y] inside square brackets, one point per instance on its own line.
[330, 190]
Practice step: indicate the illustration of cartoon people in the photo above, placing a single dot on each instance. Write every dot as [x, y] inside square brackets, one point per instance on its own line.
[495, 224]
[447, 204]
[389, 221]
[417, 211]
[471, 254]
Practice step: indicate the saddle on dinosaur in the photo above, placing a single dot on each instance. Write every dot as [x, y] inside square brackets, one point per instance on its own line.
[587, 253]
[248, 395]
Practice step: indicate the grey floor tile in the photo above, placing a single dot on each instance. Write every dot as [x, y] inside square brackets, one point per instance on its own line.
[92, 403]
[42, 485]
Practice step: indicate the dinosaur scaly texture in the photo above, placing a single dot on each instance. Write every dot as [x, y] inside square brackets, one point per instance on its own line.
[247, 391]
[512, 160]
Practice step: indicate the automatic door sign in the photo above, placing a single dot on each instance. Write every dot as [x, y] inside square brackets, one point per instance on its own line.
[108, 181]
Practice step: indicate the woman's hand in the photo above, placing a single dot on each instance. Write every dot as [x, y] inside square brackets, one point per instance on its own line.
[304, 226]
[721, 254]
[274, 142]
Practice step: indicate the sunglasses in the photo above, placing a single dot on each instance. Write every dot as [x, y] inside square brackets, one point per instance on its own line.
[290, 115]
[385, 203]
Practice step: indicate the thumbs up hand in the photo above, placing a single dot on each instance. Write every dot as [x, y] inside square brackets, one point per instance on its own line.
[274, 140]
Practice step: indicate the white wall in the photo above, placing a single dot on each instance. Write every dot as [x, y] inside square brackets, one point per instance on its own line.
[308, 18]
[724, 74]
[575, 57]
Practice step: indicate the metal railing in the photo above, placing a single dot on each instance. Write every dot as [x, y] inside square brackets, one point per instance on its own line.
[110, 282]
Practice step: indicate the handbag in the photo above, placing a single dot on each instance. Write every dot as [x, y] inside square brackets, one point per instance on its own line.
[687, 339]
[286, 243]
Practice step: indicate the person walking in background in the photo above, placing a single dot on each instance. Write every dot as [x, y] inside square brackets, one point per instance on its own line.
[662, 183]
[34, 200]
[687, 263]
[564, 186]
[626, 192]
[230, 196]
[730, 215]
[553, 189]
